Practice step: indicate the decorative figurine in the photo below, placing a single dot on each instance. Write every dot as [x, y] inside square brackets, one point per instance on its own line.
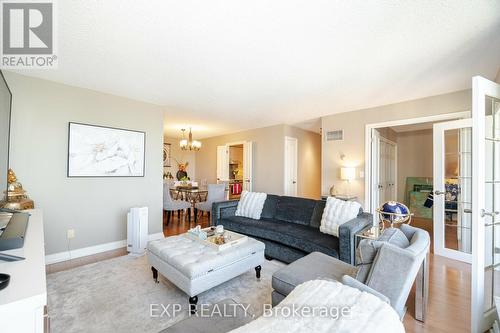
[16, 197]
[182, 173]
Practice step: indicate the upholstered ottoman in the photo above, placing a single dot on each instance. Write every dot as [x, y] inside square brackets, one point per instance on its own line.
[314, 266]
[195, 267]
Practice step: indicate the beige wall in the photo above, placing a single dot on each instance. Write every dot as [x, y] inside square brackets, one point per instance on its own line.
[181, 156]
[354, 123]
[268, 158]
[95, 208]
[415, 157]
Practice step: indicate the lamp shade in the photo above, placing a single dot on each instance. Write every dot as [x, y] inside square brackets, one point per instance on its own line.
[347, 173]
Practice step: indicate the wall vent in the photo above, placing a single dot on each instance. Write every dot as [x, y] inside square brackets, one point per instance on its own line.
[337, 135]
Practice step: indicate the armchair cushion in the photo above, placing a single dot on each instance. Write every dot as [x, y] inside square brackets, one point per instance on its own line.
[352, 282]
[367, 250]
[301, 270]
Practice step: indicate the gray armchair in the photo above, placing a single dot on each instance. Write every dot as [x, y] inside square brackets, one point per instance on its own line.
[387, 268]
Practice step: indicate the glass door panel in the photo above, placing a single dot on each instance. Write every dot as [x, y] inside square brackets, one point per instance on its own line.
[492, 202]
[453, 189]
[457, 185]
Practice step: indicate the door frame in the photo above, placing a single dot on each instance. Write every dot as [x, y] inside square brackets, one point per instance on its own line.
[368, 204]
[439, 229]
[289, 138]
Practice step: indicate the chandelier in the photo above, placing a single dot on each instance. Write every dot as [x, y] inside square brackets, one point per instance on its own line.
[189, 144]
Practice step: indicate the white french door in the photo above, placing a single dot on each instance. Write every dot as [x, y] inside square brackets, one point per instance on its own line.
[387, 170]
[222, 163]
[486, 202]
[290, 180]
[384, 170]
[248, 166]
[452, 208]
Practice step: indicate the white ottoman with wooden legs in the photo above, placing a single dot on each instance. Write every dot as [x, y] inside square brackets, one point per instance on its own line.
[195, 267]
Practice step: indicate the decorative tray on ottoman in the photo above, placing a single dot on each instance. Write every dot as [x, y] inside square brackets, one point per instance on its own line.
[230, 239]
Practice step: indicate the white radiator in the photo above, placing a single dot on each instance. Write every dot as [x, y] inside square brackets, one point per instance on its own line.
[137, 230]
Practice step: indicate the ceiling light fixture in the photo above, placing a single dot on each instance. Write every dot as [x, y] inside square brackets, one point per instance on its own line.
[189, 144]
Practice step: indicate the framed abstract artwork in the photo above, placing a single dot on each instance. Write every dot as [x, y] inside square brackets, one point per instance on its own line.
[100, 151]
[166, 154]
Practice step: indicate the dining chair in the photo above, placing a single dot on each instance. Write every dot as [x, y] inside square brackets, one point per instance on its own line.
[170, 205]
[216, 193]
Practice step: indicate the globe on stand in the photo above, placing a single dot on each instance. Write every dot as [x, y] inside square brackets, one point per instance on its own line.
[394, 212]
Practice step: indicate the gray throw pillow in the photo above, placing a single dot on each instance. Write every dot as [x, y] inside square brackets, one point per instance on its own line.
[368, 248]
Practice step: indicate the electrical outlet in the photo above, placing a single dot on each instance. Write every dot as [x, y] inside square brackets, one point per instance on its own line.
[71, 233]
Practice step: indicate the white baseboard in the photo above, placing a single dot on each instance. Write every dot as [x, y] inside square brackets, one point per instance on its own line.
[87, 251]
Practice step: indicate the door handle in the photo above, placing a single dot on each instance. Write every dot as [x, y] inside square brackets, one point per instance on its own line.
[492, 214]
[294, 182]
[468, 211]
[438, 192]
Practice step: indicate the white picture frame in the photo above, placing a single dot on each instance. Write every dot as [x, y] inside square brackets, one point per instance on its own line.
[101, 151]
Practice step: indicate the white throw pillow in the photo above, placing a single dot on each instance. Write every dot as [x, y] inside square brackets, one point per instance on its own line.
[337, 212]
[251, 204]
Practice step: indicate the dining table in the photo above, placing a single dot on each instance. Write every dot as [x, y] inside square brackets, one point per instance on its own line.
[191, 194]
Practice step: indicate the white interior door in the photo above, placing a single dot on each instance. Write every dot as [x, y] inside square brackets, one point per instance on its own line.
[290, 171]
[389, 170]
[374, 172]
[385, 164]
[248, 166]
[382, 183]
[452, 208]
[485, 203]
[222, 163]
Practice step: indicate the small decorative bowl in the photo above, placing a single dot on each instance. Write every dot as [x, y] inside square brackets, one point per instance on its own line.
[4, 280]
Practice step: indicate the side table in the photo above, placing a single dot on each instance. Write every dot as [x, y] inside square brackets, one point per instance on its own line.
[372, 232]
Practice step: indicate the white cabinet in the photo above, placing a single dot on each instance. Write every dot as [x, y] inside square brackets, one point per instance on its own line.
[22, 303]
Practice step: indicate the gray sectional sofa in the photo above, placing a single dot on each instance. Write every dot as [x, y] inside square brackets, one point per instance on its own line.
[289, 227]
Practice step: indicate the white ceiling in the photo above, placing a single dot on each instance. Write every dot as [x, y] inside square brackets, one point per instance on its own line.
[223, 66]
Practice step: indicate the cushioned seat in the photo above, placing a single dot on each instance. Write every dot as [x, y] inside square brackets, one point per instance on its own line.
[301, 237]
[299, 271]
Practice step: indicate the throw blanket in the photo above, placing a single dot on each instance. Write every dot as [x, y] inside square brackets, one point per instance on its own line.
[367, 312]
[337, 212]
[251, 204]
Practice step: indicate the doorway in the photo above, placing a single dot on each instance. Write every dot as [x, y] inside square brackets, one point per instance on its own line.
[235, 167]
[436, 199]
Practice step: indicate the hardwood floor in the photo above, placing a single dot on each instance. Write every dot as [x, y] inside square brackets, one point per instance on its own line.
[449, 306]
[449, 284]
[178, 226]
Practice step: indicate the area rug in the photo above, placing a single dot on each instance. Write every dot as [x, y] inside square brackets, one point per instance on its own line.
[115, 295]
